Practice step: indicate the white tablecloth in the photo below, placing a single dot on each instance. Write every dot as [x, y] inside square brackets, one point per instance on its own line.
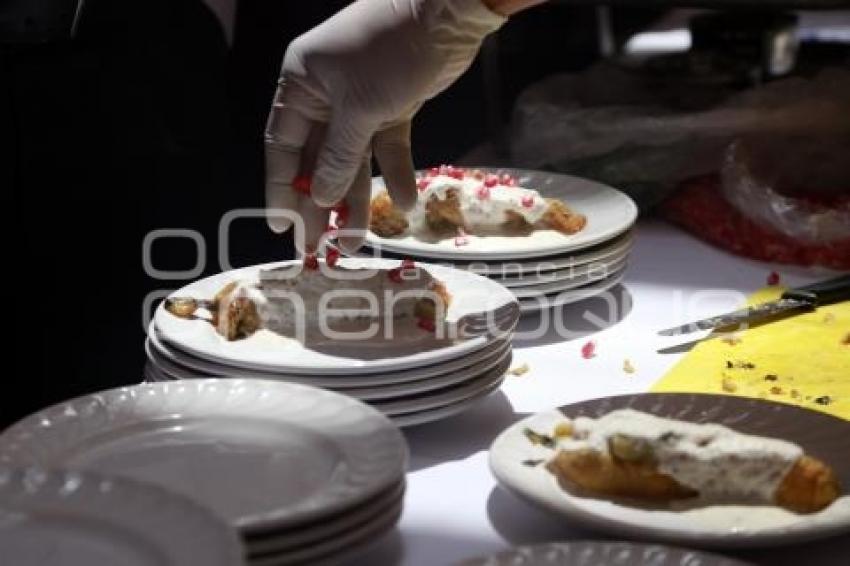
[454, 509]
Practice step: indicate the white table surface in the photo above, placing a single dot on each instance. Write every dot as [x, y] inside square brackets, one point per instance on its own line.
[454, 509]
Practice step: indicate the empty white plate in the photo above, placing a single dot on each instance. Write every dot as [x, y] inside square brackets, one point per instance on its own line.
[472, 296]
[57, 518]
[601, 553]
[554, 300]
[709, 525]
[609, 213]
[262, 454]
[165, 352]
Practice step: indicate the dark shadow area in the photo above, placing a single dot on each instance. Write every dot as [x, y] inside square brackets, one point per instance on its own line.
[574, 321]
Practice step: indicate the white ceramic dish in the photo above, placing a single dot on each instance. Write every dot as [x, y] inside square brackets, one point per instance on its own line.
[262, 454]
[599, 553]
[589, 277]
[540, 302]
[168, 371]
[609, 213]
[472, 295]
[384, 504]
[502, 268]
[160, 351]
[597, 269]
[714, 525]
[56, 518]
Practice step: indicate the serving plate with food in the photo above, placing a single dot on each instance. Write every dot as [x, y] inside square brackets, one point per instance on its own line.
[498, 214]
[706, 470]
[266, 317]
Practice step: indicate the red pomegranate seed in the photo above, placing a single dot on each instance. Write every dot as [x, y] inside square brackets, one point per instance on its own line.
[588, 350]
[507, 180]
[395, 276]
[483, 192]
[773, 279]
[426, 324]
[527, 201]
[433, 171]
[332, 256]
[491, 181]
[457, 174]
[301, 184]
[311, 262]
[423, 183]
[407, 264]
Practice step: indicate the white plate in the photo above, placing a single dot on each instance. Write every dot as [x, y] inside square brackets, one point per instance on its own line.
[609, 213]
[471, 295]
[501, 268]
[446, 396]
[820, 435]
[386, 503]
[579, 281]
[444, 412]
[601, 553]
[337, 549]
[263, 454]
[374, 393]
[55, 518]
[541, 302]
[160, 351]
[595, 268]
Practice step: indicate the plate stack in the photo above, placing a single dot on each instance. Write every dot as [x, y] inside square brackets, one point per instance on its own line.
[306, 476]
[545, 268]
[413, 378]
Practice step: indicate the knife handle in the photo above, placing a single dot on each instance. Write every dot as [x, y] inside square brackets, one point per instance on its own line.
[823, 292]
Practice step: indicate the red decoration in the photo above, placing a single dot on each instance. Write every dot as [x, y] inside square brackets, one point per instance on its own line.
[491, 181]
[773, 279]
[408, 263]
[426, 324]
[301, 184]
[332, 256]
[423, 183]
[527, 201]
[588, 350]
[311, 262]
[342, 212]
[483, 192]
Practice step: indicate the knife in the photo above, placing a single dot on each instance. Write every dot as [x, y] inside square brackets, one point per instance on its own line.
[792, 301]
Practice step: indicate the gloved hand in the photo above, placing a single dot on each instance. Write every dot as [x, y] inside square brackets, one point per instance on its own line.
[350, 86]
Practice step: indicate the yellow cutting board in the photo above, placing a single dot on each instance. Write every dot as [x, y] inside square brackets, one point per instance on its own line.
[802, 360]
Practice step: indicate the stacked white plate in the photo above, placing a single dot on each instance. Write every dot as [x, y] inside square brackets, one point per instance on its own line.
[545, 268]
[413, 378]
[306, 476]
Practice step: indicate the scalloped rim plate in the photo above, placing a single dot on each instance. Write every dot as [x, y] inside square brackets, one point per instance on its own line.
[71, 518]
[263, 454]
[820, 435]
[609, 213]
[589, 553]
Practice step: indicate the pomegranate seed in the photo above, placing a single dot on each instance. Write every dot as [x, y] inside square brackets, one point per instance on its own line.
[423, 183]
[301, 184]
[773, 279]
[433, 171]
[395, 276]
[332, 256]
[426, 324]
[483, 192]
[491, 181]
[407, 264]
[457, 174]
[588, 350]
[311, 262]
[527, 201]
[507, 180]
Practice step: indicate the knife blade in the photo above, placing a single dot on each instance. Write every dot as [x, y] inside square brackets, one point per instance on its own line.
[792, 301]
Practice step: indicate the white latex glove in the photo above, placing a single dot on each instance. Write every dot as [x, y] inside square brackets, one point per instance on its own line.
[350, 86]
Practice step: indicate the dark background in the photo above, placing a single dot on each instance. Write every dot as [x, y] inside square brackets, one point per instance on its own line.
[144, 120]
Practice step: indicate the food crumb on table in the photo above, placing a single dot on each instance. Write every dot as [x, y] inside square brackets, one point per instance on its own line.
[728, 385]
[731, 339]
[519, 370]
[628, 367]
